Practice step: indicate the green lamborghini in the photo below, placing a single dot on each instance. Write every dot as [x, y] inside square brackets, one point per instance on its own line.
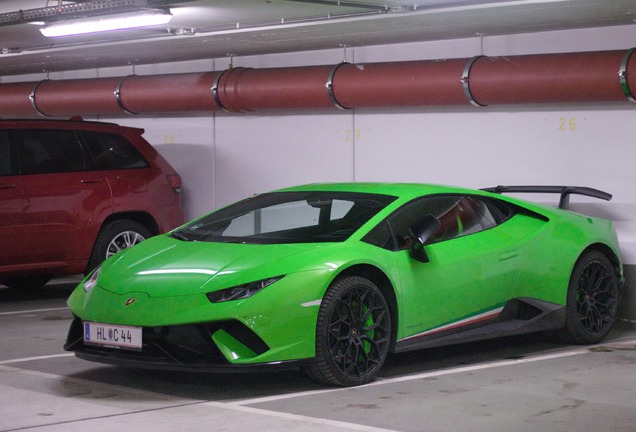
[333, 277]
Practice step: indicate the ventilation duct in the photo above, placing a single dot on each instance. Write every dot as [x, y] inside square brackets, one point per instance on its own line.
[593, 77]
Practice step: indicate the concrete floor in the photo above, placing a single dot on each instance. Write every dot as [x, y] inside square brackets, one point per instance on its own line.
[516, 384]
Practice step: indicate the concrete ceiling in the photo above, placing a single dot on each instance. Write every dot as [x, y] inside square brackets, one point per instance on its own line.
[218, 28]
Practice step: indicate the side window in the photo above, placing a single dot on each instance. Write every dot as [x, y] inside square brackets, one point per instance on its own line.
[382, 236]
[459, 215]
[48, 151]
[5, 154]
[274, 218]
[111, 151]
[340, 208]
[462, 216]
[290, 216]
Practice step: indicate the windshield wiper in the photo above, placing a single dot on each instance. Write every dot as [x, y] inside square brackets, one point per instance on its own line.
[180, 236]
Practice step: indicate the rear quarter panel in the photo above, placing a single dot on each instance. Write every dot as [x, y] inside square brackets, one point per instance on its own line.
[551, 256]
[147, 189]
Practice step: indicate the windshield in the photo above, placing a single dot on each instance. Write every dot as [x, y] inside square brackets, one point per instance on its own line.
[287, 217]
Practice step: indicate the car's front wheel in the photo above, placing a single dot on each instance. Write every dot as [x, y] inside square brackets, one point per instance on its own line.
[592, 300]
[353, 333]
[115, 237]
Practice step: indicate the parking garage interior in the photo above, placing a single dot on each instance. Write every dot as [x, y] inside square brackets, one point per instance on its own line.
[244, 97]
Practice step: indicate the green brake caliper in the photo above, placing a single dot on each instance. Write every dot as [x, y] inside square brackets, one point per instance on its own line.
[366, 345]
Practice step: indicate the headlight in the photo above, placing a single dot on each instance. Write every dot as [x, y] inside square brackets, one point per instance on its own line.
[241, 291]
[91, 282]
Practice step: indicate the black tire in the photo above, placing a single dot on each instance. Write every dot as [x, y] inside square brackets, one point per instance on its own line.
[353, 333]
[116, 236]
[26, 282]
[592, 300]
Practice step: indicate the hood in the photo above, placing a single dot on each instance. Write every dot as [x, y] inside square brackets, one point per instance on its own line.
[163, 266]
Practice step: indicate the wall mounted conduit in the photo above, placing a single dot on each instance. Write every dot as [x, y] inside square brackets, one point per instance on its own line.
[591, 77]
[241, 90]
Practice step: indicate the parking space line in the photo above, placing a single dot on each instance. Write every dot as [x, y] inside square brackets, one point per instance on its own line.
[385, 381]
[243, 405]
[28, 359]
[34, 311]
[489, 365]
[463, 369]
[298, 417]
[184, 402]
[117, 388]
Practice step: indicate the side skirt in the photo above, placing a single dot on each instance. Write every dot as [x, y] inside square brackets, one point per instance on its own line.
[519, 316]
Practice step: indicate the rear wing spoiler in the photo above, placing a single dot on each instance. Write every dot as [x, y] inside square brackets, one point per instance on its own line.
[564, 191]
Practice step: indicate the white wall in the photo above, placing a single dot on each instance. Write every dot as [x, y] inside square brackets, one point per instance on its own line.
[225, 157]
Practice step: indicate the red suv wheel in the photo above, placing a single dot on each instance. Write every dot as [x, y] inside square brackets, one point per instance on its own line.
[73, 192]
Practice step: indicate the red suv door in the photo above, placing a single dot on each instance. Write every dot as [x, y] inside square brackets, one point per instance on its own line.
[59, 208]
[10, 206]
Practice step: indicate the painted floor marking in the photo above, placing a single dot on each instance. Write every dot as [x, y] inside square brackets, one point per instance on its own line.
[299, 417]
[242, 406]
[34, 311]
[442, 372]
[28, 359]
[381, 381]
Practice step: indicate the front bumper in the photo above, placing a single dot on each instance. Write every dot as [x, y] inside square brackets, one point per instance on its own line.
[196, 348]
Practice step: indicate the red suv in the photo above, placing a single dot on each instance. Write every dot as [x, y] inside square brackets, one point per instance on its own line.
[73, 193]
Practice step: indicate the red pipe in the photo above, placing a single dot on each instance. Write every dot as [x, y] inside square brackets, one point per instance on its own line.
[553, 78]
[15, 101]
[70, 97]
[418, 83]
[189, 92]
[607, 76]
[243, 90]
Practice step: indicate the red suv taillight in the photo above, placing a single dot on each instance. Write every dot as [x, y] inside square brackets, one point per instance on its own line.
[175, 182]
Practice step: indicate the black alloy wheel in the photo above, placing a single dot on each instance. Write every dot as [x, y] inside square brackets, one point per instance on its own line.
[353, 333]
[592, 302]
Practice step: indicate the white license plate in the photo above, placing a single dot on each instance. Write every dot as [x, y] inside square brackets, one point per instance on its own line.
[114, 336]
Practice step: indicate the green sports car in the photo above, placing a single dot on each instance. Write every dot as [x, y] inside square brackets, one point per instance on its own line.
[333, 277]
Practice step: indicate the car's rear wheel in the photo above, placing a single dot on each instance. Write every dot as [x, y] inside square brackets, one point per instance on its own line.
[353, 333]
[114, 237]
[592, 301]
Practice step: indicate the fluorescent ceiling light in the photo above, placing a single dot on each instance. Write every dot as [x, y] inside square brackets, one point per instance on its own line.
[107, 23]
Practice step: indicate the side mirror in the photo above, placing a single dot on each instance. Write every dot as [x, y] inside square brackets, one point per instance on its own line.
[421, 232]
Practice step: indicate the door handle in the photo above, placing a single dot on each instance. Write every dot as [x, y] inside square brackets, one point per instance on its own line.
[7, 186]
[90, 181]
[508, 254]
